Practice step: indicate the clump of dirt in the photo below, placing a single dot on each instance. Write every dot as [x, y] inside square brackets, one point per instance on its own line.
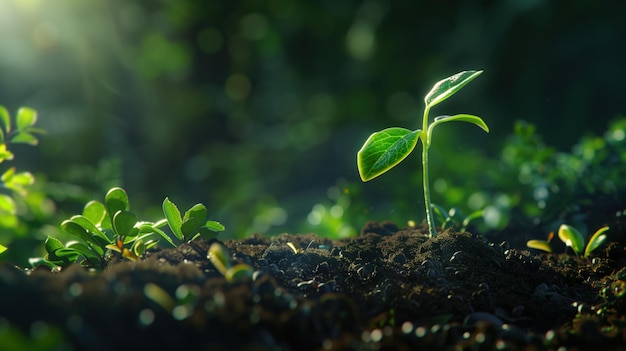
[388, 288]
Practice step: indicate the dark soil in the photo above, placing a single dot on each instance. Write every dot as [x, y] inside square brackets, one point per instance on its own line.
[387, 289]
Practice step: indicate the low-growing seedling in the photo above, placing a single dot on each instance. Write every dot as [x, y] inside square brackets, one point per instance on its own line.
[108, 227]
[219, 256]
[572, 238]
[454, 218]
[383, 150]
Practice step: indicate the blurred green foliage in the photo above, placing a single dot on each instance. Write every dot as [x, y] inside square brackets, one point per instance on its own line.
[256, 108]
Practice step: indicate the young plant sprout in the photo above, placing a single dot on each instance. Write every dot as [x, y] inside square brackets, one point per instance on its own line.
[572, 238]
[383, 150]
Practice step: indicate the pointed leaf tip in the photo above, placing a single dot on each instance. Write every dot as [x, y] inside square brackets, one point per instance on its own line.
[447, 87]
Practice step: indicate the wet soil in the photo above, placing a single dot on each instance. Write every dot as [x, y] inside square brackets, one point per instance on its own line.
[387, 289]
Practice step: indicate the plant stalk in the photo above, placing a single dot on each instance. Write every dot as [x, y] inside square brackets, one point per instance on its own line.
[425, 145]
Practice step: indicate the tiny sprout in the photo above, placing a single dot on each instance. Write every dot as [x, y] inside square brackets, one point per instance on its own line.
[541, 244]
[383, 150]
[293, 247]
[219, 255]
[572, 238]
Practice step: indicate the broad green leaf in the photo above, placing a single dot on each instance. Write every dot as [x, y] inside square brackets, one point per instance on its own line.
[73, 228]
[192, 220]
[124, 222]
[26, 117]
[571, 237]
[52, 244]
[539, 245]
[447, 87]
[115, 200]
[87, 251]
[5, 120]
[24, 138]
[2, 248]
[174, 220]
[89, 226]
[596, 240]
[7, 205]
[385, 149]
[164, 236]
[214, 226]
[95, 212]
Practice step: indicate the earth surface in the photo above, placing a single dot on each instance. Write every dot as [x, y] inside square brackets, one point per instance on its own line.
[389, 288]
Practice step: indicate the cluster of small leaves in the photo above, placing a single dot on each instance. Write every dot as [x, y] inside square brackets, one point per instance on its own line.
[571, 237]
[220, 257]
[454, 218]
[14, 184]
[104, 228]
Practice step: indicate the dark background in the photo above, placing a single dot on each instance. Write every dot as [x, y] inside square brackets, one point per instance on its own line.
[257, 108]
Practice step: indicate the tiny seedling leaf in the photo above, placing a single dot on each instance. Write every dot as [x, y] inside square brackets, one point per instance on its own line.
[2, 248]
[214, 226]
[219, 255]
[24, 138]
[7, 205]
[73, 228]
[385, 149]
[571, 237]
[115, 200]
[174, 220]
[26, 117]
[447, 87]
[596, 240]
[87, 225]
[95, 212]
[192, 220]
[124, 222]
[539, 245]
[238, 271]
[5, 120]
[475, 120]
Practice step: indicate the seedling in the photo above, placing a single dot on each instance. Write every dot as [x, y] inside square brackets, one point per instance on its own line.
[572, 238]
[192, 225]
[219, 256]
[383, 150]
[454, 218]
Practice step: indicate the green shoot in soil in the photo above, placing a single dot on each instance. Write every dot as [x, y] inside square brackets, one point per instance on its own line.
[572, 238]
[383, 150]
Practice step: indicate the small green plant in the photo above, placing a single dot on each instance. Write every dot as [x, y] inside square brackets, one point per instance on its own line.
[108, 227]
[219, 256]
[383, 150]
[454, 218]
[572, 238]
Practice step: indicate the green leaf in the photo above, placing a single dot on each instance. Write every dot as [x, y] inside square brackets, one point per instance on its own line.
[596, 240]
[539, 245]
[124, 222]
[571, 237]
[95, 212]
[238, 271]
[204, 233]
[52, 244]
[475, 120]
[164, 235]
[2, 248]
[26, 117]
[90, 252]
[4, 153]
[214, 226]
[5, 120]
[447, 87]
[385, 149]
[24, 138]
[89, 226]
[73, 228]
[174, 220]
[7, 205]
[192, 220]
[219, 255]
[115, 200]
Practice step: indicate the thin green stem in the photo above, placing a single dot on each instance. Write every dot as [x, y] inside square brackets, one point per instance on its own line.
[425, 146]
